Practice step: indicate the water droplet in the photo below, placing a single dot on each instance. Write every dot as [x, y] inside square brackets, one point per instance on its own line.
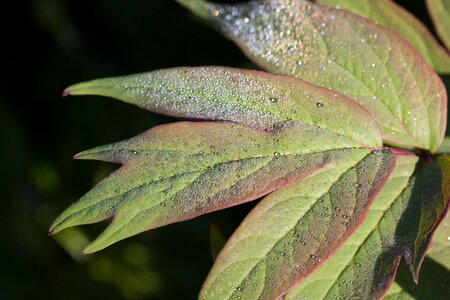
[273, 100]
[315, 258]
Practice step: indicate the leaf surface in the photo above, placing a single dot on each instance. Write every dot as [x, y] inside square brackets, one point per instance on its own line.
[400, 223]
[445, 147]
[346, 53]
[440, 14]
[396, 18]
[292, 231]
[253, 98]
[179, 171]
[435, 272]
[434, 275]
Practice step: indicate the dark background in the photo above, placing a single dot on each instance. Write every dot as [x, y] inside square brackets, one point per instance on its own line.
[47, 45]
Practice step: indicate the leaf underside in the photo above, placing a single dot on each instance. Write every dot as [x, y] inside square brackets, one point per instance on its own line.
[396, 18]
[400, 224]
[435, 273]
[179, 171]
[290, 232]
[348, 54]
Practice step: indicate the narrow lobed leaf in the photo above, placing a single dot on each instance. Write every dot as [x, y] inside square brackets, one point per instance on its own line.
[253, 98]
[292, 231]
[400, 223]
[440, 14]
[435, 272]
[396, 18]
[179, 171]
[346, 53]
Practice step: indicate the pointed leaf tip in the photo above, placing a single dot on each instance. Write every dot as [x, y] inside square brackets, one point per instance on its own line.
[198, 7]
[83, 155]
[83, 88]
[66, 92]
[88, 250]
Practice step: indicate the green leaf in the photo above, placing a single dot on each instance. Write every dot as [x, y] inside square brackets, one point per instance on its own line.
[435, 272]
[393, 16]
[400, 224]
[445, 147]
[216, 240]
[292, 231]
[182, 170]
[338, 50]
[253, 98]
[440, 14]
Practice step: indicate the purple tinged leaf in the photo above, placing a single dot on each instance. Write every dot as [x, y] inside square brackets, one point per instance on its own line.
[179, 171]
[346, 53]
[253, 98]
[293, 231]
[400, 224]
[399, 20]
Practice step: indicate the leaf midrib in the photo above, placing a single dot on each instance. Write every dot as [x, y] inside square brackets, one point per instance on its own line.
[370, 232]
[293, 227]
[191, 172]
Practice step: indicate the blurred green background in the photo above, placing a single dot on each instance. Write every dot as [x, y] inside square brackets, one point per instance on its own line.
[48, 45]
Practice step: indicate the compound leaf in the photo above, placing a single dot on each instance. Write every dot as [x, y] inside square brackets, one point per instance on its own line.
[346, 53]
[393, 16]
[400, 224]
